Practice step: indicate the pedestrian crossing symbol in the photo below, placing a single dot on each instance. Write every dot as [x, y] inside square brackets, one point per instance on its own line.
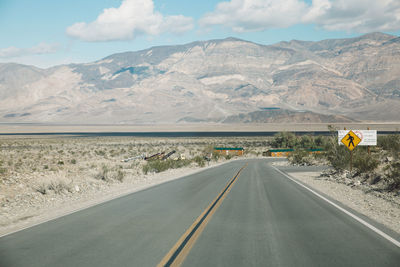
[351, 140]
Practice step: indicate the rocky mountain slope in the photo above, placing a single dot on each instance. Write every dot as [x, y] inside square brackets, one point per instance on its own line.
[217, 80]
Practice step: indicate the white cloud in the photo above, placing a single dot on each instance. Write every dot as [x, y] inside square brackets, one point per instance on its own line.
[132, 18]
[255, 15]
[40, 49]
[349, 15]
[355, 15]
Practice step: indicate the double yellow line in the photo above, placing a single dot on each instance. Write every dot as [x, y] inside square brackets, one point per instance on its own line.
[181, 249]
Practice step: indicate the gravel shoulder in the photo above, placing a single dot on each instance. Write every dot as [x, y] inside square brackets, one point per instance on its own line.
[383, 208]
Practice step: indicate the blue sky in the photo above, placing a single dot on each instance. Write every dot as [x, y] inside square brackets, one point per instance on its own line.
[45, 33]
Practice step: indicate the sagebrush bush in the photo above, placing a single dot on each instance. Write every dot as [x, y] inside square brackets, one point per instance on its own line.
[228, 157]
[306, 141]
[108, 174]
[394, 175]
[103, 173]
[199, 161]
[290, 140]
[215, 156]
[338, 156]
[300, 156]
[284, 140]
[120, 175]
[390, 143]
[364, 163]
[58, 186]
[163, 165]
[41, 188]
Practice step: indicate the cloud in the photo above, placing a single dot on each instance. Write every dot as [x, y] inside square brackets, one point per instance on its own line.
[355, 15]
[132, 18]
[40, 49]
[334, 15]
[255, 15]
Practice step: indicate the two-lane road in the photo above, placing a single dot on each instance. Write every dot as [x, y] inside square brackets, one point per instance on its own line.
[261, 219]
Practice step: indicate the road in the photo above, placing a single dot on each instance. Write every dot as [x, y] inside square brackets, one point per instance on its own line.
[261, 218]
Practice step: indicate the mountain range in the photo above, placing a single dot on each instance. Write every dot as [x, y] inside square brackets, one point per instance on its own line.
[219, 81]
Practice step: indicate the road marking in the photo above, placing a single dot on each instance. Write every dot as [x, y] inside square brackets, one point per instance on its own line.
[91, 204]
[373, 228]
[182, 247]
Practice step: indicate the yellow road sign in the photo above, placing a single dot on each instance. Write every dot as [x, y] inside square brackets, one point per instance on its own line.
[351, 140]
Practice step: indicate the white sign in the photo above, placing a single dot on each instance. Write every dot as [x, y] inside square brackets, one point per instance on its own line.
[368, 137]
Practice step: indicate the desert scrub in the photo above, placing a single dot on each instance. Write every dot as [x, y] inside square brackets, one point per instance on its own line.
[215, 156]
[199, 161]
[284, 140]
[290, 140]
[390, 143]
[103, 173]
[57, 186]
[393, 173]
[364, 162]
[300, 157]
[338, 156]
[108, 174]
[228, 157]
[163, 165]
[2, 169]
[120, 175]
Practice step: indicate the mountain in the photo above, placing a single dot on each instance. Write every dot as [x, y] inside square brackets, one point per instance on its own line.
[229, 80]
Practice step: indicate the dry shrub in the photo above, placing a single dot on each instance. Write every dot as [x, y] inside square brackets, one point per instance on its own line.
[394, 175]
[163, 165]
[57, 184]
[365, 163]
[300, 157]
[108, 174]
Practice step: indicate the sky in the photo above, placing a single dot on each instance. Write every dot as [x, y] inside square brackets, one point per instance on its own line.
[46, 33]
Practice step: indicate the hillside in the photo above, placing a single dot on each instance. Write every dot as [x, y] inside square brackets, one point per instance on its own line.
[215, 81]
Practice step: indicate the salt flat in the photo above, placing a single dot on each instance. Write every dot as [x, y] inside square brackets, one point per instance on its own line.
[10, 128]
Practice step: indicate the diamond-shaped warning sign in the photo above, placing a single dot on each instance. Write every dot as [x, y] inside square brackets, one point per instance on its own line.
[351, 140]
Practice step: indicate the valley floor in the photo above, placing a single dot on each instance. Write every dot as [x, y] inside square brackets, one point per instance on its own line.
[44, 178]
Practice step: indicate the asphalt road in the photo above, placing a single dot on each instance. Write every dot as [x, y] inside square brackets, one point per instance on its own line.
[261, 219]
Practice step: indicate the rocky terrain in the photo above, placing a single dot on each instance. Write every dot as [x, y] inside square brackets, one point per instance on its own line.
[227, 80]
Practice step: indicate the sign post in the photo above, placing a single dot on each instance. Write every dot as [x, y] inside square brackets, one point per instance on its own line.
[351, 140]
[369, 147]
[368, 137]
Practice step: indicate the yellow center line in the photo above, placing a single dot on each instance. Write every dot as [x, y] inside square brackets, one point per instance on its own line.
[182, 247]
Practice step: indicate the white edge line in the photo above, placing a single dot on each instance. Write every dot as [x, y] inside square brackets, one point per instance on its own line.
[373, 228]
[90, 205]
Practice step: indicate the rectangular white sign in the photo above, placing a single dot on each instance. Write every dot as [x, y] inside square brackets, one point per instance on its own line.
[368, 137]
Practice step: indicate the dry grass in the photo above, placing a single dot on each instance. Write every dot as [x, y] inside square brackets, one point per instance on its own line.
[56, 164]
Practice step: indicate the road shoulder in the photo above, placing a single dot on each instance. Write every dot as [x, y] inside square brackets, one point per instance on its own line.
[376, 208]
